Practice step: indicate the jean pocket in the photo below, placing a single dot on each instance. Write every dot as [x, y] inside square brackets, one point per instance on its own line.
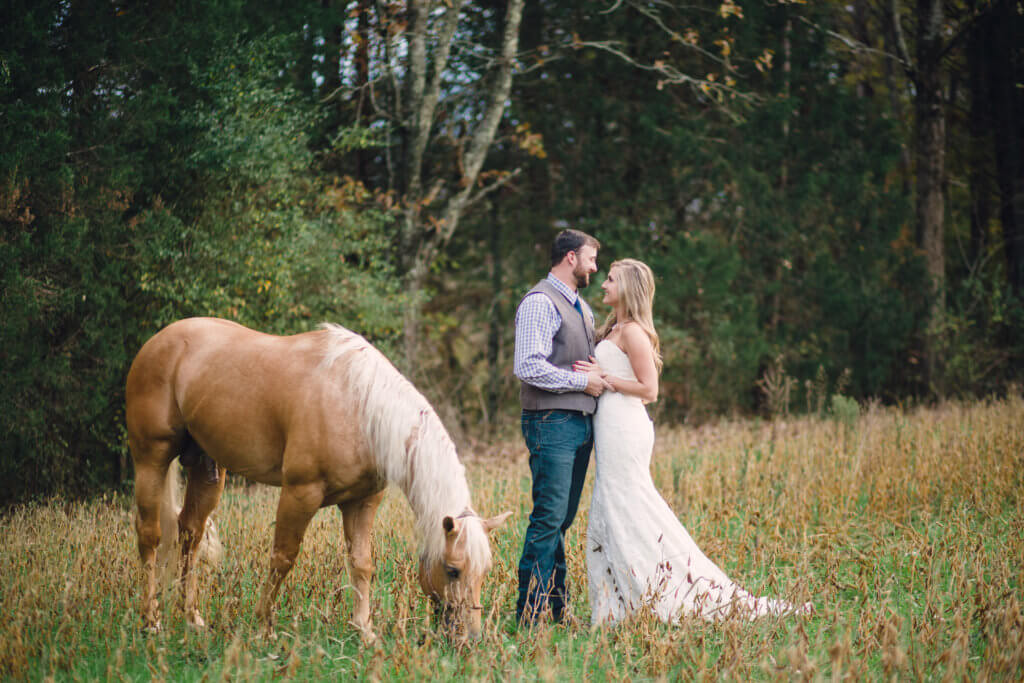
[555, 417]
[559, 431]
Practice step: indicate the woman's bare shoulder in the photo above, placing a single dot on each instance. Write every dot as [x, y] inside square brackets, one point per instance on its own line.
[632, 333]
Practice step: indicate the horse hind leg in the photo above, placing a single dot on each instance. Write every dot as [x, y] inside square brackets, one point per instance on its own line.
[205, 485]
[357, 519]
[151, 459]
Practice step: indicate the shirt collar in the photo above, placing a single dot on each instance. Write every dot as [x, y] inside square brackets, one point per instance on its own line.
[564, 289]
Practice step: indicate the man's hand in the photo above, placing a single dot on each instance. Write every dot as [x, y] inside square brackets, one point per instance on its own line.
[596, 384]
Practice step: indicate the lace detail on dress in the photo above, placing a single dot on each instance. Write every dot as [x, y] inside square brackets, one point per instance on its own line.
[638, 553]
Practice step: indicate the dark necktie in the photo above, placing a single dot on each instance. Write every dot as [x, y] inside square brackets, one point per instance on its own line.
[579, 307]
[586, 328]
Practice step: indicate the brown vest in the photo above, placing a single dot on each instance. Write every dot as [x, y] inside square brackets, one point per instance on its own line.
[574, 341]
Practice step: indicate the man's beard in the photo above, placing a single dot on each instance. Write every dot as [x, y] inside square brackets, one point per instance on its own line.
[582, 278]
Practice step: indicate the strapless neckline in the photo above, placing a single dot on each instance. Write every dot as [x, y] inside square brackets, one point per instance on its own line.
[616, 363]
[617, 347]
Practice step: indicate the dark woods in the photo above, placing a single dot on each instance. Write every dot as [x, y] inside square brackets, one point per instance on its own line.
[831, 195]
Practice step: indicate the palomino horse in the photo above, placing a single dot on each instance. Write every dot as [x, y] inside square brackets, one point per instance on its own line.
[324, 416]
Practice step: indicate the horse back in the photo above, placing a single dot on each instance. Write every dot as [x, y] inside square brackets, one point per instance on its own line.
[245, 397]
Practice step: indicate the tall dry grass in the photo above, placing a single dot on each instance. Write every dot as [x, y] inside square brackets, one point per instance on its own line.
[905, 530]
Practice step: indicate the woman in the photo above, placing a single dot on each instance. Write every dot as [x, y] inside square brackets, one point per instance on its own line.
[638, 554]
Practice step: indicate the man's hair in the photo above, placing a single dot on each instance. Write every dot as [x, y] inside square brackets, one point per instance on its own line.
[570, 240]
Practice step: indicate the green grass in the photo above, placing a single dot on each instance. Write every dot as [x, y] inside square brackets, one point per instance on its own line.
[905, 530]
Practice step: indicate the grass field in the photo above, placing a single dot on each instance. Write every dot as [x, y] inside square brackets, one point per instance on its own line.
[905, 529]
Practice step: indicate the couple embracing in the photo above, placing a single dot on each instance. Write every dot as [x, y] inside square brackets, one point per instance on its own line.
[583, 389]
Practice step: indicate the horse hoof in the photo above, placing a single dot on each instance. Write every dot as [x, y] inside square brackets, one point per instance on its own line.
[152, 627]
[370, 638]
[196, 622]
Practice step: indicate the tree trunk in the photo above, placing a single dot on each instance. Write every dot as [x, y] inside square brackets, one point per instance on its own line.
[1007, 66]
[335, 12]
[980, 129]
[930, 157]
[494, 323]
[421, 239]
[84, 58]
[362, 67]
[894, 45]
[787, 68]
[330, 90]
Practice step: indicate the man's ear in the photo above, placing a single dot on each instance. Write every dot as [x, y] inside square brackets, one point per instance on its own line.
[571, 257]
[496, 522]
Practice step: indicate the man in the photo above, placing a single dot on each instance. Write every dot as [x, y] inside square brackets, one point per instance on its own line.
[554, 328]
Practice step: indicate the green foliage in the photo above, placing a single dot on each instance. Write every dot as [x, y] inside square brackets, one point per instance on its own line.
[982, 336]
[276, 246]
[784, 233]
[707, 321]
[61, 268]
[166, 186]
[821, 230]
[159, 162]
[844, 410]
[64, 350]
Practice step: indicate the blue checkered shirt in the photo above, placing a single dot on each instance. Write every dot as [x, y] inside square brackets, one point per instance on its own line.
[537, 322]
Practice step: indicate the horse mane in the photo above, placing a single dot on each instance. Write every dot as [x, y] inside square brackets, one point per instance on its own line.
[411, 447]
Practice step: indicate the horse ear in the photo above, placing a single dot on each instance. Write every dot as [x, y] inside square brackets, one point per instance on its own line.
[496, 522]
[450, 524]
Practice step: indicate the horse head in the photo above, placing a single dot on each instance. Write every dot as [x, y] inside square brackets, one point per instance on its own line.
[453, 581]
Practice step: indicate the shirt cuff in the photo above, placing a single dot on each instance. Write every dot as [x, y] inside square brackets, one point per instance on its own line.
[578, 381]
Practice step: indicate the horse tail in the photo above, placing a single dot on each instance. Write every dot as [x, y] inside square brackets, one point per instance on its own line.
[210, 548]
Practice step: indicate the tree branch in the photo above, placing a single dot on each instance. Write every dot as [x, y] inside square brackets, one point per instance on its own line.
[388, 61]
[901, 41]
[855, 45]
[671, 74]
[484, 134]
[429, 97]
[504, 180]
[656, 18]
[420, 10]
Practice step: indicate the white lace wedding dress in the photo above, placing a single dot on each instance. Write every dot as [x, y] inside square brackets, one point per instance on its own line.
[639, 556]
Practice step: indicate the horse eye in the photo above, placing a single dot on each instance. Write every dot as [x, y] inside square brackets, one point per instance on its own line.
[452, 572]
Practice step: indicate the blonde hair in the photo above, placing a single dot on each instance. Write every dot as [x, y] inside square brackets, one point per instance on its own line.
[636, 291]
[411, 447]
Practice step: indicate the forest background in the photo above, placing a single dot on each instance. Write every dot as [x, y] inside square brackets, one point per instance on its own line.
[831, 195]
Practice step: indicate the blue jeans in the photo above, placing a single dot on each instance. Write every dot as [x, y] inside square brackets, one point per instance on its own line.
[559, 442]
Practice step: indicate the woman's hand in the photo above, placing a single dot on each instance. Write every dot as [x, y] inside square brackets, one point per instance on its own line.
[588, 366]
[592, 366]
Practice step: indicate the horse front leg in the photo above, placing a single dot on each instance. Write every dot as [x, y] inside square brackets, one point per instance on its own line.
[296, 508]
[357, 519]
[205, 485]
